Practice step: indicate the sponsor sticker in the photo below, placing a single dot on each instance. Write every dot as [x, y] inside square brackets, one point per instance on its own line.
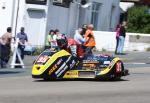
[89, 65]
[59, 62]
[72, 64]
[106, 62]
[60, 69]
[90, 61]
[63, 70]
[52, 69]
[72, 73]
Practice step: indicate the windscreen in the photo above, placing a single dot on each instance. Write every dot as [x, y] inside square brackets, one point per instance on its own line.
[44, 57]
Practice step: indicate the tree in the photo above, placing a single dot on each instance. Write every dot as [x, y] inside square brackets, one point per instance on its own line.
[139, 19]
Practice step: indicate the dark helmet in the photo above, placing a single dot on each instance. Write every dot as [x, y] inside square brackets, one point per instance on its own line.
[62, 42]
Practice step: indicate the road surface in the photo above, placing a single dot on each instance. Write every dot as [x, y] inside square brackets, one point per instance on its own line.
[17, 86]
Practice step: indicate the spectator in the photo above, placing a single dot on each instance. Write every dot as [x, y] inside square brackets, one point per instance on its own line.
[54, 39]
[117, 30]
[122, 38]
[49, 39]
[5, 47]
[23, 39]
[90, 40]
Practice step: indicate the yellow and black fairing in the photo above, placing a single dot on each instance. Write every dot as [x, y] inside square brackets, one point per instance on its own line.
[62, 65]
[53, 65]
[100, 68]
[114, 70]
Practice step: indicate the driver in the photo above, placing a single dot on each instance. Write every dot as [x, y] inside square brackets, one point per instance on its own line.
[62, 42]
[71, 46]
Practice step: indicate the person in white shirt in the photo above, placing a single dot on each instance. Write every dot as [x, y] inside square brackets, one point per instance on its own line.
[79, 38]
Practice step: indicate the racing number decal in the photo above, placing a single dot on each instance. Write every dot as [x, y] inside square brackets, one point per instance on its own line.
[42, 59]
[118, 67]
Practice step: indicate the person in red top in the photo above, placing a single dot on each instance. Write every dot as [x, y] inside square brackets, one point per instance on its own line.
[117, 30]
[90, 39]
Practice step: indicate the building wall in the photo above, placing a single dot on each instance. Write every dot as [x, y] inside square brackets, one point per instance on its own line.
[33, 18]
[5, 15]
[75, 16]
[64, 19]
[107, 41]
[35, 23]
[57, 18]
[109, 13]
[39, 19]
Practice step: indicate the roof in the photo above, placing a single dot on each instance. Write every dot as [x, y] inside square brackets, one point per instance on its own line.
[130, 0]
[146, 2]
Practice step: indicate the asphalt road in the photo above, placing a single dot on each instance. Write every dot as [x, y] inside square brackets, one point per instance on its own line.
[17, 86]
[134, 88]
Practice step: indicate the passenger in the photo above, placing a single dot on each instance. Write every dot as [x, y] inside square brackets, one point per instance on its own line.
[79, 38]
[90, 39]
[76, 49]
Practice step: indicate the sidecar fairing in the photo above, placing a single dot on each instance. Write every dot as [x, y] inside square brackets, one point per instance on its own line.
[62, 65]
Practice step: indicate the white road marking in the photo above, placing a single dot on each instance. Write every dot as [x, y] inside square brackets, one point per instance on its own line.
[135, 63]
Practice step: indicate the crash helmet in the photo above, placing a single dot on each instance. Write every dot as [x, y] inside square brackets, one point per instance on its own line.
[62, 41]
[83, 30]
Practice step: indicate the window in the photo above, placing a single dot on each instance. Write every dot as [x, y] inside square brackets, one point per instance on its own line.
[95, 14]
[62, 3]
[111, 24]
[40, 2]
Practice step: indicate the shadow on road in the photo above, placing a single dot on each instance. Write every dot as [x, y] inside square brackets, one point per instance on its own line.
[8, 72]
[84, 80]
